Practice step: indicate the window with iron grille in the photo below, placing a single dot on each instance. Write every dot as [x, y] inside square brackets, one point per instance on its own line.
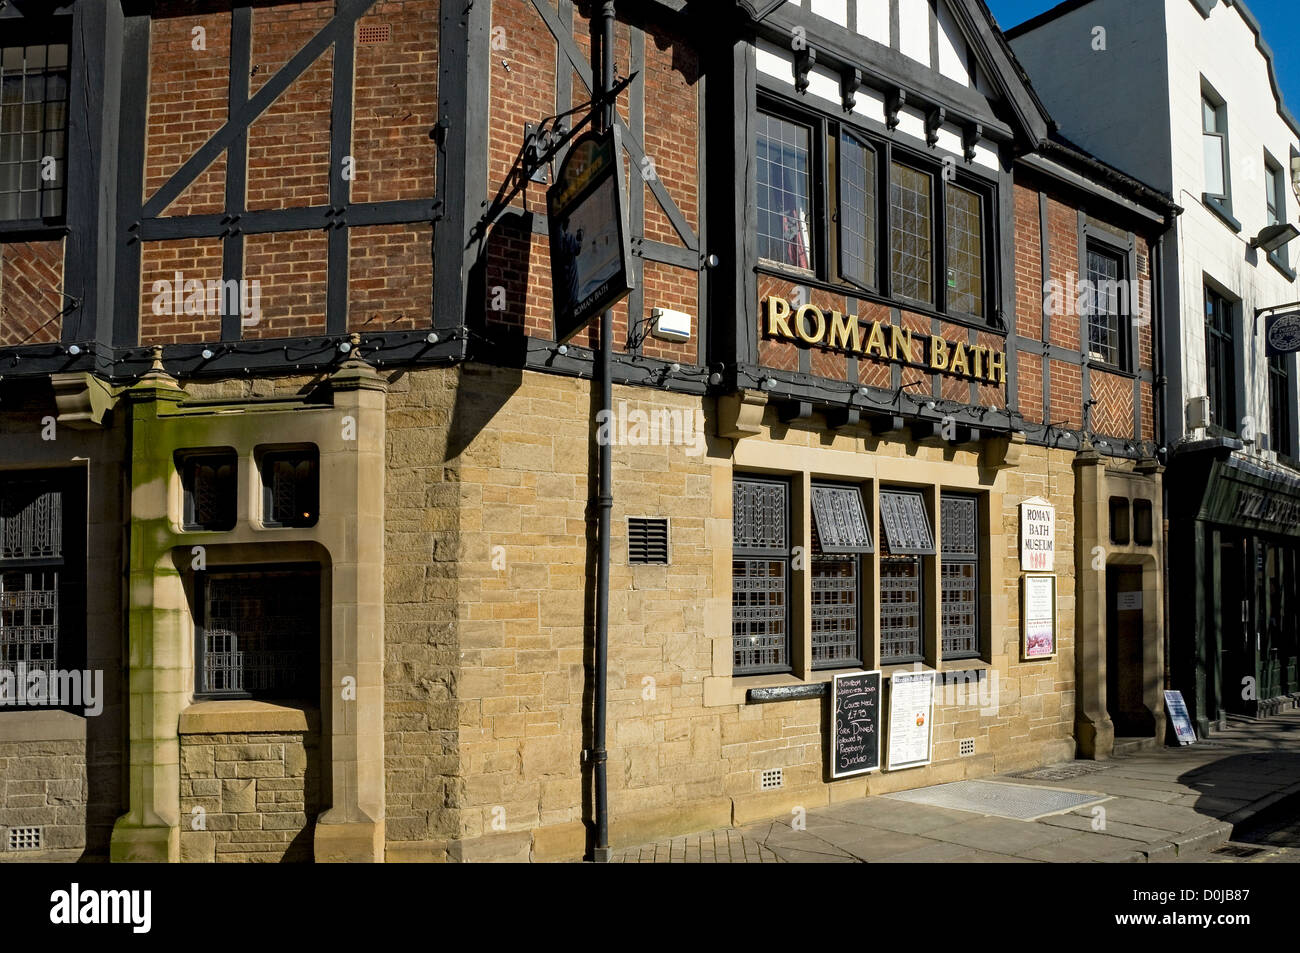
[42, 568]
[1220, 362]
[290, 487]
[259, 634]
[33, 131]
[960, 577]
[208, 479]
[1107, 327]
[905, 537]
[839, 536]
[647, 541]
[760, 574]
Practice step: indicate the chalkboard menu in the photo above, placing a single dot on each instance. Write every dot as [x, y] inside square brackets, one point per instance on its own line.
[855, 724]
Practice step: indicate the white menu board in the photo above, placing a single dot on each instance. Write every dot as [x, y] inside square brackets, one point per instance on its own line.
[911, 711]
[1038, 617]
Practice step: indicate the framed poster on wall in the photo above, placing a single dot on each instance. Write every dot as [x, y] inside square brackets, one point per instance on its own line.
[911, 713]
[1038, 617]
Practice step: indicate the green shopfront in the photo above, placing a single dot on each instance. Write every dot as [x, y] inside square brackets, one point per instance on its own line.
[1235, 601]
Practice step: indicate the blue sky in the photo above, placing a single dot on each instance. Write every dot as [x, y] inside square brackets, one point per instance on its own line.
[1277, 17]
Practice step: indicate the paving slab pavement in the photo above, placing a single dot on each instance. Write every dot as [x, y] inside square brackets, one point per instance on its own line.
[1162, 805]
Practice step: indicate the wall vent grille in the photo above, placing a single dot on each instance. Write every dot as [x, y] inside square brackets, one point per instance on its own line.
[772, 778]
[967, 747]
[647, 541]
[375, 34]
[26, 838]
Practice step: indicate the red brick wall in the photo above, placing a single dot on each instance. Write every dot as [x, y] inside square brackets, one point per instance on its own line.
[1063, 267]
[1029, 264]
[290, 268]
[197, 259]
[1113, 413]
[31, 279]
[288, 145]
[188, 92]
[390, 277]
[395, 101]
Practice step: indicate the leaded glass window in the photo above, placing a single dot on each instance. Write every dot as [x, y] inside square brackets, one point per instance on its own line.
[290, 488]
[904, 523]
[857, 211]
[760, 574]
[33, 130]
[965, 227]
[911, 216]
[784, 167]
[959, 576]
[905, 537]
[1105, 312]
[210, 490]
[260, 634]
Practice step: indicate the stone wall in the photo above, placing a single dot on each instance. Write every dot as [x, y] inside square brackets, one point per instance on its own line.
[43, 784]
[259, 794]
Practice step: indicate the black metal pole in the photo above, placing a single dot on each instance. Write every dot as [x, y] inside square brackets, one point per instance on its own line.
[605, 500]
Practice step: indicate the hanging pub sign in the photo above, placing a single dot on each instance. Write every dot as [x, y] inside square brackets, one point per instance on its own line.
[587, 212]
[855, 724]
[1282, 333]
[1037, 535]
[911, 711]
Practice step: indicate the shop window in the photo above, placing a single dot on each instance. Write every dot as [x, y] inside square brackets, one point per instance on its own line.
[839, 538]
[906, 537]
[33, 131]
[290, 487]
[42, 567]
[1143, 523]
[760, 605]
[208, 479]
[960, 617]
[1108, 327]
[259, 634]
[1119, 521]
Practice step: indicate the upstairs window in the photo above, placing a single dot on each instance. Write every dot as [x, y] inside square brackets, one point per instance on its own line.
[1279, 404]
[1107, 325]
[869, 215]
[1275, 206]
[1218, 168]
[33, 131]
[1220, 362]
[784, 151]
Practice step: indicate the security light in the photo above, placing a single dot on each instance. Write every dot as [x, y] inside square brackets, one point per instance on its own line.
[1274, 237]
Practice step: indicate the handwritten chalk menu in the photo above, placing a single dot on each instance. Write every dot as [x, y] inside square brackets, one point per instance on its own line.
[1037, 535]
[1181, 718]
[855, 724]
[1038, 616]
[911, 711]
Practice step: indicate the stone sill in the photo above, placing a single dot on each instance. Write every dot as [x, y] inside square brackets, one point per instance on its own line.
[247, 717]
[37, 725]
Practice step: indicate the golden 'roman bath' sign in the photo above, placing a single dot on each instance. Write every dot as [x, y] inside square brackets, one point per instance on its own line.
[810, 325]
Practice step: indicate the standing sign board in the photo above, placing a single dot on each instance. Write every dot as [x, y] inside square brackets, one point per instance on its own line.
[1037, 536]
[855, 724]
[1038, 617]
[1180, 717]
[911, 711]
[587, 212]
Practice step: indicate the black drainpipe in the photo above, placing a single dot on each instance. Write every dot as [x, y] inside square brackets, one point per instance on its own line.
[1159, 417]
[605, 500]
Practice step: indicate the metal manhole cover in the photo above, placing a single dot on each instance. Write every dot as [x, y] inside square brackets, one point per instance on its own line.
[1020, 802]
[1063, 772]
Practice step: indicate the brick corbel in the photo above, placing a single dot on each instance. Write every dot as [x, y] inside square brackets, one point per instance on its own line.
[740, 415]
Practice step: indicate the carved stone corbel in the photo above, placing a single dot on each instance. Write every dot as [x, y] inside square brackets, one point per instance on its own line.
[740, 415]
[82, 400]
[1004, 452]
